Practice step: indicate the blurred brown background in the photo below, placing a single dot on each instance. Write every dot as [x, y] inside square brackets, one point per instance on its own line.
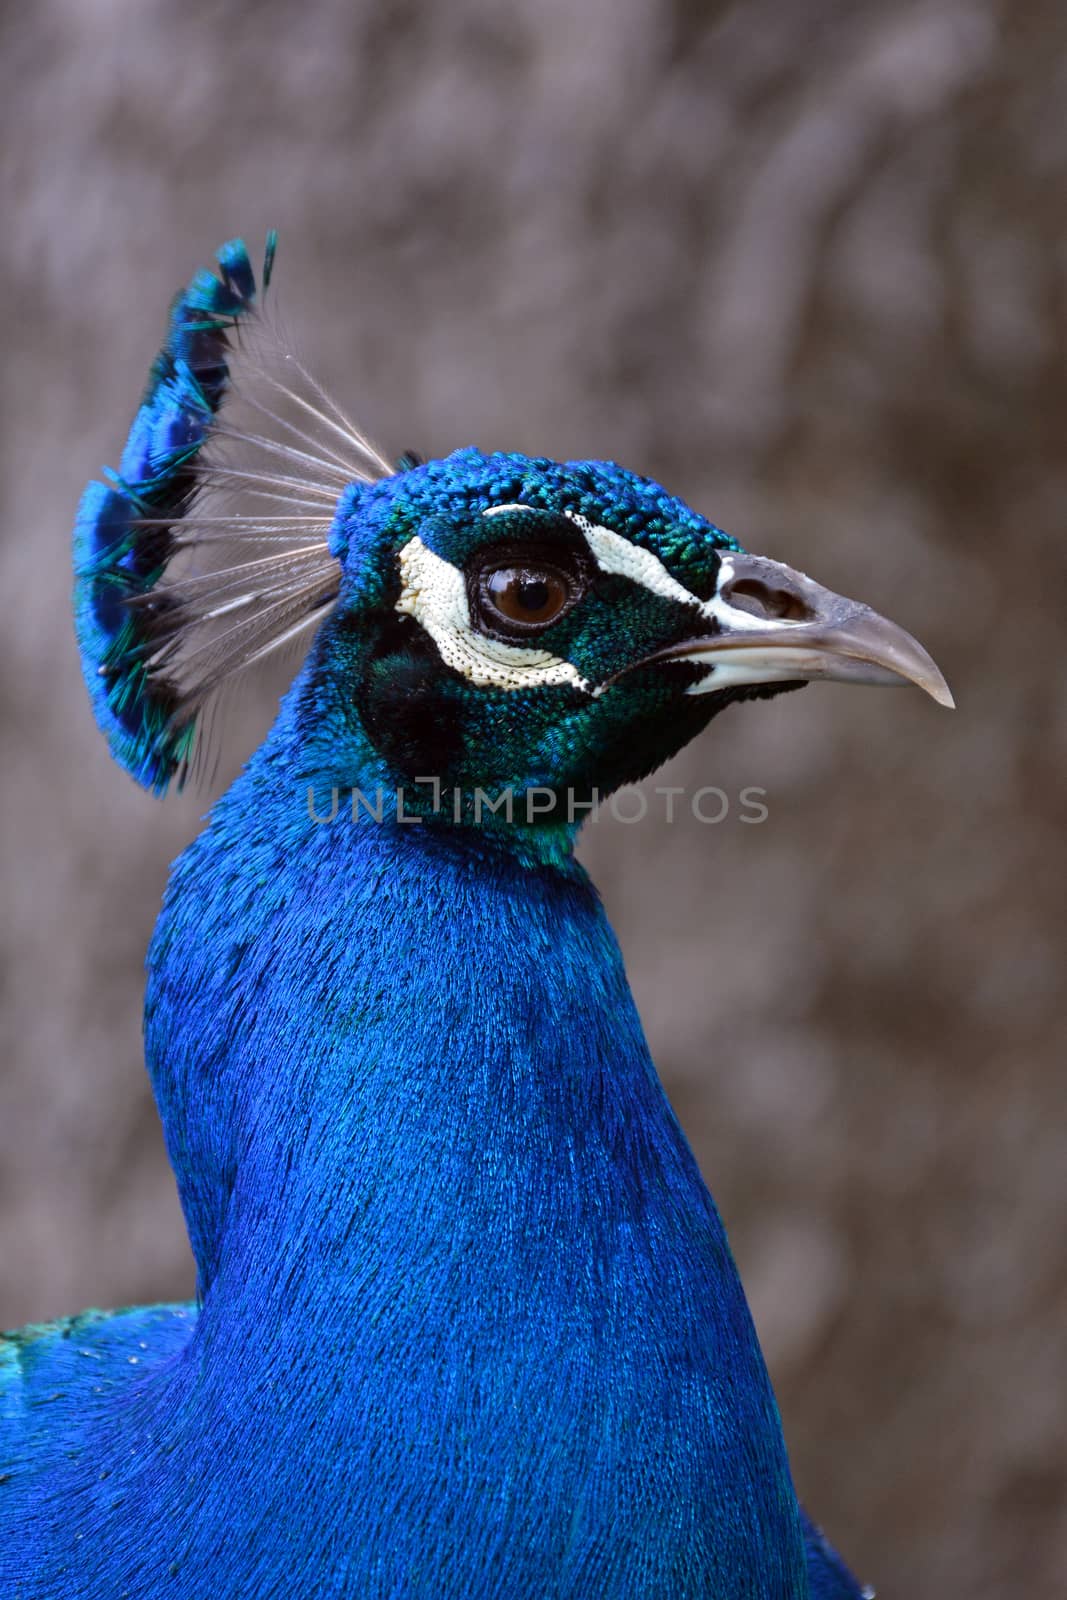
[807, 264]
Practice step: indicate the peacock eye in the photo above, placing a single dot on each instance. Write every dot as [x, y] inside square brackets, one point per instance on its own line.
[527, 594]
[517, 592]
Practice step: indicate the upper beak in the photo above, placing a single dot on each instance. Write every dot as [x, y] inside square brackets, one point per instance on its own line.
[768, 623]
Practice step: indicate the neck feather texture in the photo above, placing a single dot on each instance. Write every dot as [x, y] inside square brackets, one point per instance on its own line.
[425, 1157]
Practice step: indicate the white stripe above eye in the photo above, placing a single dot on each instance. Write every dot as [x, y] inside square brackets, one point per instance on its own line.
[613, 553]
[434, 592]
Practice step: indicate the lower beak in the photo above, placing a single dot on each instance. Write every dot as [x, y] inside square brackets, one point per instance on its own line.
[770, 624]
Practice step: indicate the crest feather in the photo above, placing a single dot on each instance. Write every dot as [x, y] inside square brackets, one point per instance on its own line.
[207, 550]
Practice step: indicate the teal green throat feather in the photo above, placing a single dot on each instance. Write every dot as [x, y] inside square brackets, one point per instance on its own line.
[467, 1323]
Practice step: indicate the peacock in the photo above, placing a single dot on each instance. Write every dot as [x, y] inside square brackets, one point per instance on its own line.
[467, 1324]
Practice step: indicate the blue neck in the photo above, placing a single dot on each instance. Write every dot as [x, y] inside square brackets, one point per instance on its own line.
[419, 1137]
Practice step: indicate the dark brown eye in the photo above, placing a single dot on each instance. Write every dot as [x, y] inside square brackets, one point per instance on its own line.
[517, 590]
[527, 594]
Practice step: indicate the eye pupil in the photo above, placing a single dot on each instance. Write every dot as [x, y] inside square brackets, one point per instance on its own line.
[533, 594]
[527, 595]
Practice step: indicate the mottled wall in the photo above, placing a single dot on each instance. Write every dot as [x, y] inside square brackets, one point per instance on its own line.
[805, 263]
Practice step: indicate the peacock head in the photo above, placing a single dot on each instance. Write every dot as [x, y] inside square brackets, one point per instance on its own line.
[489, 626]
[507, 625]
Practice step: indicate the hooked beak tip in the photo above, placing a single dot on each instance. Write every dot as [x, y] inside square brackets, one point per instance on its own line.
[940, 692]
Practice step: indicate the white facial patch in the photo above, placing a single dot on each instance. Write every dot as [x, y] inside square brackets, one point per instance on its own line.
[435, 593]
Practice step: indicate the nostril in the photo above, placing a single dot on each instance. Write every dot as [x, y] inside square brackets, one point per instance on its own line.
[764, 600]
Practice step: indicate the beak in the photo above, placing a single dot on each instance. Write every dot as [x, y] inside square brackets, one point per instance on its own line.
[770, 624]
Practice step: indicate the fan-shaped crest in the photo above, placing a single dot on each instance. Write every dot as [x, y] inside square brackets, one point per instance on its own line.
[207, 550]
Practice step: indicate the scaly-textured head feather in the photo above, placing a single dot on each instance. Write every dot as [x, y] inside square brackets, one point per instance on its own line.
[176, 589]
